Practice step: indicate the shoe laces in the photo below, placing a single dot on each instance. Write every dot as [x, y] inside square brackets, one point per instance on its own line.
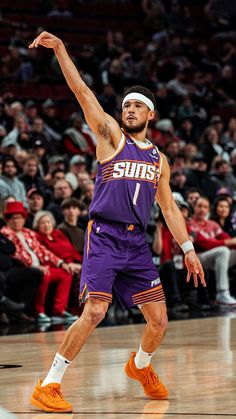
[55, 393]
[151, 378]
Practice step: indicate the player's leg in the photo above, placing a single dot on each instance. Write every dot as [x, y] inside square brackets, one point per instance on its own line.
[138, 367]
[47, 394]
[77, 334]
[156, 317]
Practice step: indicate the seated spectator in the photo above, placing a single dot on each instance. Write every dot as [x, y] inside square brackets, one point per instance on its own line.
[31, 253]
[222, 214]
[35, 204]
[198, 177]
[55, 162]
[84, 179]
[76, 139]
[172, 270]
[54, 240]
[9, 182]
[192, 196]
[222, 177]
[58, 243]
[39, 149]
[72, 209]
[177, 182]
[215, 249]
[210, 146]
[77, 165]
[32, 179]
[20, 283]
[166, 133]
[61, 190]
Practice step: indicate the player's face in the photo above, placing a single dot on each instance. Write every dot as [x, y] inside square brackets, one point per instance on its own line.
[135, 116]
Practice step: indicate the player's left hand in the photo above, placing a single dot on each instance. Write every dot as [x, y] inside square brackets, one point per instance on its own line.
[194, 268]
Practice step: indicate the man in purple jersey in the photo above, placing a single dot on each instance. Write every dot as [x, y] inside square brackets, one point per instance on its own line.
[131, 174]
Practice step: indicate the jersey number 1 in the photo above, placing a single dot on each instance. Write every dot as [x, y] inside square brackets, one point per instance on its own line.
[136, 192]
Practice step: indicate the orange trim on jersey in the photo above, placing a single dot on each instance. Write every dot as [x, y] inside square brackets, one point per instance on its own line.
[101, 296]
[116, 152]
[159, 297]
[159, 286]
[90, 224]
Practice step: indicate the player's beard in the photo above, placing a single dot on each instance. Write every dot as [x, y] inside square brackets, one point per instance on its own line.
[132, 130]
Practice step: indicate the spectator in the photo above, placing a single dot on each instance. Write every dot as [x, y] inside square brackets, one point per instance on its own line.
[56, 175]
[39, 149]
[192, 196]
[198, 177]
[222, 214]
[52, 123]
[61, 190]
[229, 137]
[32, 179]
[31, 111]
[83, 180]
[77, 165]
[58, 243]
[20, 283]
[72, 209]
[35, 204]
[76, 139]
[210, 146]
[222, 177]
[9, 182]
[215, 249]
[178, 180]
[31, 253]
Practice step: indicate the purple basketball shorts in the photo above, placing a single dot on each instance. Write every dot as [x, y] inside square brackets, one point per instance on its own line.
[117, 256]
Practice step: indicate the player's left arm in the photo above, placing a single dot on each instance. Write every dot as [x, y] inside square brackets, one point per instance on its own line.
[176, 223]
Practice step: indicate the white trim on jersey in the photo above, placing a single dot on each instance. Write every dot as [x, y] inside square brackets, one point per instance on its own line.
[120, 146]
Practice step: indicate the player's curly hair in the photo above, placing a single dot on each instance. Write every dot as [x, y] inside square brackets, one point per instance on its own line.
[143, 90]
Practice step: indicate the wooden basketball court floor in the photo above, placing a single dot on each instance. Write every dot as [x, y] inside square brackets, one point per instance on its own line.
[197, 362]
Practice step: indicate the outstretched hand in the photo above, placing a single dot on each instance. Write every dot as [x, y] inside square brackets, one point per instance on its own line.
[194, 268]
[47, 40]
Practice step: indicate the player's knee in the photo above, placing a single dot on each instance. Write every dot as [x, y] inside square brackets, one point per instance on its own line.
[159, 322]
[96, 314]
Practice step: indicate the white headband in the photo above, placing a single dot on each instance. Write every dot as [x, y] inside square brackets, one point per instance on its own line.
[141, 98]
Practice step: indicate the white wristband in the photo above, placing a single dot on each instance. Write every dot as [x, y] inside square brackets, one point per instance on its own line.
[186, 246]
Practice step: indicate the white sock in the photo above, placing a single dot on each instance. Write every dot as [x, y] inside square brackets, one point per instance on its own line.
[142, 359]
[57, 370]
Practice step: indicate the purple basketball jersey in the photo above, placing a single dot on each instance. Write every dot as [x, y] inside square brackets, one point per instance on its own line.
[126, 184]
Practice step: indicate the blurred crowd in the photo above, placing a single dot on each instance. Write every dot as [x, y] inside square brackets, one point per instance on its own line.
[48, 163]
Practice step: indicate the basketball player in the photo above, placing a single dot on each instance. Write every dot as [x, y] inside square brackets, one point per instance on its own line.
[131, 174]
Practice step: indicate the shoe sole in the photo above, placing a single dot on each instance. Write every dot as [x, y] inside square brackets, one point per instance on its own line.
[37, 403]
[131, 375]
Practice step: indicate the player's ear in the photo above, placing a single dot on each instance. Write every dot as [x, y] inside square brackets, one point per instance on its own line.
[151, 115]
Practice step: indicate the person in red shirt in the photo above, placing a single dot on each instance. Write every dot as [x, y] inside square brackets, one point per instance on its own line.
[216, 249]
[56, 241]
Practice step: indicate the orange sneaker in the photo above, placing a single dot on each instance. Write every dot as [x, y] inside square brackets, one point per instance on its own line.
[50, 398]
[152, 386]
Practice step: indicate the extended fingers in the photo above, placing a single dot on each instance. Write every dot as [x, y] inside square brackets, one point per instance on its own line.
[37, 40]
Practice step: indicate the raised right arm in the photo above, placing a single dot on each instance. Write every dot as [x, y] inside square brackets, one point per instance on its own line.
[105, 127]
